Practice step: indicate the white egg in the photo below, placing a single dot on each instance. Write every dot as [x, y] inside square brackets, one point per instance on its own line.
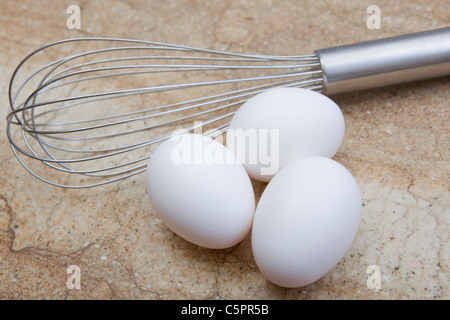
[281, 125]
[305, 221]
[201, 191]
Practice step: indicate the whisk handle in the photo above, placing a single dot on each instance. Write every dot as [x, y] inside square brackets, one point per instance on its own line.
[385, 62]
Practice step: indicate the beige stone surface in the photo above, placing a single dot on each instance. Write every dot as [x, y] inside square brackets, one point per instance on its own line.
[397, 146]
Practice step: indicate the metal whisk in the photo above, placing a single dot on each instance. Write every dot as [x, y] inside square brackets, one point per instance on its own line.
[93, 113]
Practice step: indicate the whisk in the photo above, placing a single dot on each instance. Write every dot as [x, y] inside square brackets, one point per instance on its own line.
[93, 113]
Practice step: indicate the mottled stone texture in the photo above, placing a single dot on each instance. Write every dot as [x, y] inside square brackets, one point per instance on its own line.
[396, 144]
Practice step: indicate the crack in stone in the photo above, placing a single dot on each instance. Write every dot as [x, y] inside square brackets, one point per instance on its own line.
[10, 231]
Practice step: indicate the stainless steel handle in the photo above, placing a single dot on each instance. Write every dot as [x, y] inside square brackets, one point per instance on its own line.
[387, 61]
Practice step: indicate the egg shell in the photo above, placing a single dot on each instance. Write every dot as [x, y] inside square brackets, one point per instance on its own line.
[305, 221]
[308, 123]
[201, 191]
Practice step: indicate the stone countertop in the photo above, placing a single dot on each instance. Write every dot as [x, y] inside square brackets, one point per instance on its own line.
[396, 145]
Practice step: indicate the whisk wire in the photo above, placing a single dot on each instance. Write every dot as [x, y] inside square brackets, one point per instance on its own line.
[75, 136]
